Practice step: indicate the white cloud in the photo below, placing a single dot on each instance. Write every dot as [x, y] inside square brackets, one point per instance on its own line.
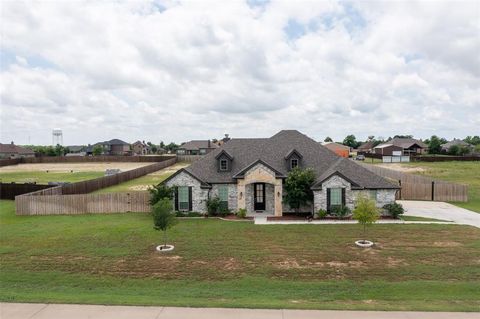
[167, 71]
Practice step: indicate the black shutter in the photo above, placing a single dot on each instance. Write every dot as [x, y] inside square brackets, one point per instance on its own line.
[343, 196]
[190, 199]
[176, 198]
[328, 200]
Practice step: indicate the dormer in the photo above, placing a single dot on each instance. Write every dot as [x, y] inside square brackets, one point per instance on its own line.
[224, 161]
[293, 159]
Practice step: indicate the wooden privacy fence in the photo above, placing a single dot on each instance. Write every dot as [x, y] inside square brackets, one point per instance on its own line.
[83, 204]
[89, 159]
[415, 187]
[445, 158]
[189, 158]
[73, 198]
[10, 190]
[7, 162]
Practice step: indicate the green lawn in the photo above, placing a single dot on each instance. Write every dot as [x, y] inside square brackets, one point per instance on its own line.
[110, 259]
[42, 177]
[422, 219]
[458, 172]
[141, 183]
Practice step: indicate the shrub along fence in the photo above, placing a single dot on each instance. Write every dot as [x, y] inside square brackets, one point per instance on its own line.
[415, 187]
[73, 198]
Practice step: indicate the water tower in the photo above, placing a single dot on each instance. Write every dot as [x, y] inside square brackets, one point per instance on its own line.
[57, 136]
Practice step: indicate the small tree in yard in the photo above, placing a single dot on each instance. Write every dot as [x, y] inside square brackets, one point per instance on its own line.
[366, 213]
[163, 217]
[159, 192]
[297, 187]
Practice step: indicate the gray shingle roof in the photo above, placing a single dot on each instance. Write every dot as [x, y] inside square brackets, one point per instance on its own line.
[407, 142]
[198, 144]
[272, 151]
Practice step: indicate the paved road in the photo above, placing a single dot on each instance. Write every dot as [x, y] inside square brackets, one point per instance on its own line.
[54, 311]
[441, 210]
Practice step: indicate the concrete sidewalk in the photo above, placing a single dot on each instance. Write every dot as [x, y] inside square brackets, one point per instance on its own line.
[59, 311]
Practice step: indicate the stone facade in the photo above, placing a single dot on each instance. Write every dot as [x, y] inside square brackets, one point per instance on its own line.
[232, 195]
[199, 195]
[384, 196]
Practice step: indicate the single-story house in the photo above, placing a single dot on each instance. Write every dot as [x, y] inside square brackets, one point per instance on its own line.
[14, 151]
[141, 148]
[388, 149]
[339, 149]
[197, 147]
[366, 147]
[249, 173]
[410, 146]
[460, 143]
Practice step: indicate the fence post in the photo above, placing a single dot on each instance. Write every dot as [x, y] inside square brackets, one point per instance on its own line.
[400, 184]
[433, 190]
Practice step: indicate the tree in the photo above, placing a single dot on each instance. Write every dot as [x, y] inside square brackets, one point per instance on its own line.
[97, 150]
[163, 217]
[434, 146]
[297, 187]
[159, 192]
[162, 145]
[328, 139]
[475, 140]
[366, 213]
[59, 150]
[351, 141]
[172, 147]
[454, 150]
[403, 136]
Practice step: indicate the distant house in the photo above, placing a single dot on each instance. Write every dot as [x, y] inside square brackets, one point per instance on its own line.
[410, 146]
[446, 147]
[388, 149]
[141, 148]
[196, 147]
[339, 149]
[14, 151]
[112, 147]
[366, 147]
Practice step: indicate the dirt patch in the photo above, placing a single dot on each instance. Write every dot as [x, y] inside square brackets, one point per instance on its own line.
[350, 264]
[395, 262]
[447, 244]
[402, 168]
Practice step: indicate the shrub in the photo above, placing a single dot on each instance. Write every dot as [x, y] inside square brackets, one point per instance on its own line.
[365, 212]
[223, 211]
[241, 213]
[321, 213]
[213, 206]
[158, 192]
[340, 211]
[188, 214]
[394, 209]
[298, 187]
[163, 216]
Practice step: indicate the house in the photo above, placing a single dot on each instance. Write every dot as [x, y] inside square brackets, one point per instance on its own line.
[388, 149]
[410, 146]
[339, 149]
[460, 143]
[250, 172]
[366, 147]
[14, 151]
[141, 148]
[196, 147]
[112, 147]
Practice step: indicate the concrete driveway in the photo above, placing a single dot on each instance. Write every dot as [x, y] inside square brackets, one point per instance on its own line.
[54, 311]
[441, 210]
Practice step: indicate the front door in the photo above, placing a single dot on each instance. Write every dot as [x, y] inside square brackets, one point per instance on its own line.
[259, 196]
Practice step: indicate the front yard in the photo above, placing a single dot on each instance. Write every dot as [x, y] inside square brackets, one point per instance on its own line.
[110, 259]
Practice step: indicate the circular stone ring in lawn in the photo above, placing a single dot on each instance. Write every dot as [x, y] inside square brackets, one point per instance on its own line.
[364, 243]
[164, 248]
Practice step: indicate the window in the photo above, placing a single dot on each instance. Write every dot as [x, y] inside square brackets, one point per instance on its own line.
[181, 152]
[203, 151]
[372, 194]
[293, 163]
[183, 200]
[223, 165]
[335, 197]
[223, 195]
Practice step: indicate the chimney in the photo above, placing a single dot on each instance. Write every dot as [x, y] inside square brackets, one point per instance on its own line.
[208, 143]
[12, 143]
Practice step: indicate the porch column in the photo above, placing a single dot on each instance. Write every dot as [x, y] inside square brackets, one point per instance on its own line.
[241, 194]
[278, 188]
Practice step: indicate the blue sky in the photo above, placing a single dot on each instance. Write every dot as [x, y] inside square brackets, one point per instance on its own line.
[181, 70]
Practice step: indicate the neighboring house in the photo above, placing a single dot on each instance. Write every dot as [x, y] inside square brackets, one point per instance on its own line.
[410, 146]
[460, 143]
[198, 147]
[339, 149]
[112, 147]
[13, 151]
[388, 150]
[141, 148]
[249, 173]
[366, 147]
[76, 150]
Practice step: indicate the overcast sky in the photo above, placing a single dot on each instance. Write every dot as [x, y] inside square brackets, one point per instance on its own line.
[175, 70]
